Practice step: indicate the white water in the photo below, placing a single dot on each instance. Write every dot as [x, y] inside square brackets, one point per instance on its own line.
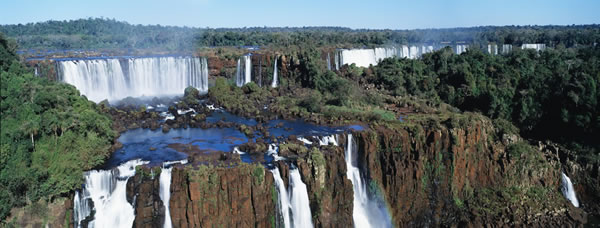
[568, 190]
[492, 49]
[328, 140]
[272, 151]
[366, 212]
[460, 48]
[506, 48]
[274, 83]
[366, 57]
[328, 62]
[107, 189]
[284, 201]
[115, 79]
[294, 205]
[244, 71]
[165, 193]
[304, 140]
[537, 47]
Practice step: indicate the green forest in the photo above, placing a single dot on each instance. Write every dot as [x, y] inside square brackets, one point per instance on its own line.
[49, 136]
[101, 33]
[552, 94]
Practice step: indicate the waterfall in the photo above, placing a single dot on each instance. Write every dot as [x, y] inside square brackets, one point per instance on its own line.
[405, 52]
[243, 71]
[115, 79]
[107, 190]
[506, 48]
[365, 57]
[328, 61]
[413, 52]
[492, 49]
[328, 140]
[366, 212]
[537, 47]
[165, 193]
[337, 60]
[294, 205]
[274, 83]
[460, 48]
[284, 201]
[568, 190]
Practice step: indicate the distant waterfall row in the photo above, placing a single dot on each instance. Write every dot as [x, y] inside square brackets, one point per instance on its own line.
[115, 79]
[366, 57]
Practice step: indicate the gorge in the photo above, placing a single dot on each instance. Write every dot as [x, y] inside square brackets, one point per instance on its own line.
[427, 133]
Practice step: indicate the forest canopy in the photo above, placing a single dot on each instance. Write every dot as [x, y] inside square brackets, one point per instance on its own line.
[49, 136]
[100, 33]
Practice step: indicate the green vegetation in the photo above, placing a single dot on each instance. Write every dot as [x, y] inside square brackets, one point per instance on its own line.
[100, 33]
[552, 94]
[49, 136]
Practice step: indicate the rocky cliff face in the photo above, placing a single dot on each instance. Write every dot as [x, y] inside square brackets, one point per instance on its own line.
[456, 173]
[207, 196]
[323, 170]
[143, 193]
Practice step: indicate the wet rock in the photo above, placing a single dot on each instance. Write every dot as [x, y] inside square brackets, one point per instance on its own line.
[165, 128]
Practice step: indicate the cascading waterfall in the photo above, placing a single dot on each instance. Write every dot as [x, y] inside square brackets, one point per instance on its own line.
[405, 53]
[366, 57]
[284, 201]
[294, 205]
[107, 190]
[115, 79]
[537, 47]
[568, 190]
[506, 48]
[460, 48]
[243, 71]
[492, 49]
[328, 61]
[274, 83]
[165, 193]
[366, 212]
[299, 201]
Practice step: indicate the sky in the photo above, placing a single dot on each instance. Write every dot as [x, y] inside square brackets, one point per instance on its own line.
[373, 14]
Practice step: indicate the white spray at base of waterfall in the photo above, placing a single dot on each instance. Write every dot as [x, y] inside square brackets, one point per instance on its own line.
[107, 190]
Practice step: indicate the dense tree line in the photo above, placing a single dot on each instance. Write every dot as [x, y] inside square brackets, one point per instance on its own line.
[99, 33]
[552, 94]
[49, 135]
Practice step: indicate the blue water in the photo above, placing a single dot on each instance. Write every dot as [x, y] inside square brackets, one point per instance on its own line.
[137, 142]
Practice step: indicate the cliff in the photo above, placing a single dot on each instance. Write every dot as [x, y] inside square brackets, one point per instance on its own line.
[455, 171]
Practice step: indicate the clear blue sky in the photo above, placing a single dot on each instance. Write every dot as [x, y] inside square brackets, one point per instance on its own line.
[377, 14]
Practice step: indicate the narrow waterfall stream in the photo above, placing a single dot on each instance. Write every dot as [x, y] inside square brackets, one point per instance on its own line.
[294, 205]
[243, 74]
[165, 193]
[275, 82]
[568, 190]
[366, 212]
